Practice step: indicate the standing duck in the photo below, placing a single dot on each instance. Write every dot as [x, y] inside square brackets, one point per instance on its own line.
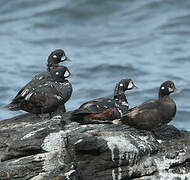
[153, 113]
[105, 108]
[54, 59]
[47, 97]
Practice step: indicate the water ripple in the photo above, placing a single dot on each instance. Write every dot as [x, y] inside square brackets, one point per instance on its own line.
[107, 40]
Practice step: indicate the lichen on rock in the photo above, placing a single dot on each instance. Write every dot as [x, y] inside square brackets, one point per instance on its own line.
[40, 149]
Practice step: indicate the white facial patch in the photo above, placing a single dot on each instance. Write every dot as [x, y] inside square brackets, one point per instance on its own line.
[54, 56]
[162, 87]
[63, 58]
[130, 85]
[170, 89]
[121, 85]
[66, 74]
[57, 73]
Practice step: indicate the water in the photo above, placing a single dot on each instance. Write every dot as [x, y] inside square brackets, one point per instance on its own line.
[147, 40]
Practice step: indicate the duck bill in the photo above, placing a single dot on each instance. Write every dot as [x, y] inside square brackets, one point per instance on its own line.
[135, 87]
[176, 90]
[65, 58]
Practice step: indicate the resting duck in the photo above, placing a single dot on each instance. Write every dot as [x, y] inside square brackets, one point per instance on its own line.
[105, 108]
[54, 58]
[153, 113]
[47, 97]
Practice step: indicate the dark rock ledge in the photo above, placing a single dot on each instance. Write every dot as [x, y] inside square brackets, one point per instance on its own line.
[35, 149]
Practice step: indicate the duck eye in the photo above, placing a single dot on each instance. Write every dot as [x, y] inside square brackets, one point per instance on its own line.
[54, 56]
[63, 58]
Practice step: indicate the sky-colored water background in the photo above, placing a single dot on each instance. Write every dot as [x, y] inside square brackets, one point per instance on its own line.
[147, 40]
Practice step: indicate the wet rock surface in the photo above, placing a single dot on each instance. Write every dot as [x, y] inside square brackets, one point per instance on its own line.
[39, 149]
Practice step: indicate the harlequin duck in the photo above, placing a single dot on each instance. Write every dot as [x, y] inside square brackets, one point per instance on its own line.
[54, 58]
[105, 108]
[153, 113]
[47, 97]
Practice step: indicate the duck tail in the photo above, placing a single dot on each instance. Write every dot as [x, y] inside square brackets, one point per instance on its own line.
[11, 107]
[78, 115]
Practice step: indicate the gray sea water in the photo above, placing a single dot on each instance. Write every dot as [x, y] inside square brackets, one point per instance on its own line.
[107, 40]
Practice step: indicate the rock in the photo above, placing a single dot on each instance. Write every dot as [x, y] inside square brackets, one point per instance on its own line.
[39, 149]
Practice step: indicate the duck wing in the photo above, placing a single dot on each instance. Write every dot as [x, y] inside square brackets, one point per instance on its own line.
[96, 106]
[44, 99]
[38, 80]
[145, 116]
[64, 89]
